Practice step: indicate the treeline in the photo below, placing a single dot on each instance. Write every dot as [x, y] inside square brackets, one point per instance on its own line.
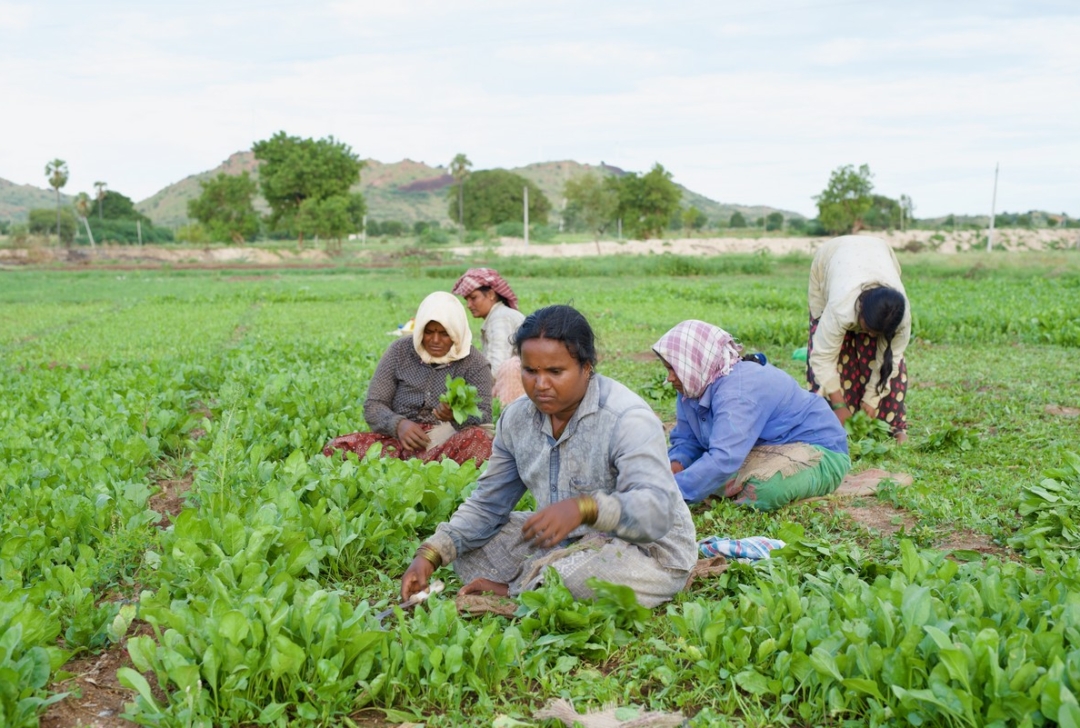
[115, 220]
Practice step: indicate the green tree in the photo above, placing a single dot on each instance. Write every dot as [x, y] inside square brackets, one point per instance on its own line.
[332, 218]
[99, 195]
[293, 170]
[459, 170]
[693, 219]
[57, 172]
[42, 221]
[774, 221]
[738, 220]
[492, 196]
[592, 200]
[647, 202]
[115, 206]
[845, 199]
[225, 209]
[883, 213]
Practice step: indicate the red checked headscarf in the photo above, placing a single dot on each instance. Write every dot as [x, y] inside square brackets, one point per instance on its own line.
[700, 353]
[480, 277]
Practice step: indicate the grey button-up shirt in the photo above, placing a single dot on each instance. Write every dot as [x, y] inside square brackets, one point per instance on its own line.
[613, 448]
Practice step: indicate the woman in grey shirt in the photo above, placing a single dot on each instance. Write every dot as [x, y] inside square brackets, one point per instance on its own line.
[594, 457]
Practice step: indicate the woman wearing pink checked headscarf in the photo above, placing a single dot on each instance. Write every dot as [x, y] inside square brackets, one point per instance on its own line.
[489, 297]
[745, 430]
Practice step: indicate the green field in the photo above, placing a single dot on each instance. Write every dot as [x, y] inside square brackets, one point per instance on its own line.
[252, 601]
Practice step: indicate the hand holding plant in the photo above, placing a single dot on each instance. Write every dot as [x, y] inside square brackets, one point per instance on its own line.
[461, 398]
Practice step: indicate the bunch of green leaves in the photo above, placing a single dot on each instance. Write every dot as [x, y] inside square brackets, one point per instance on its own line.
[949, 437]
[659, 389]
[461, 397]
[1051, 509]
[868, 437]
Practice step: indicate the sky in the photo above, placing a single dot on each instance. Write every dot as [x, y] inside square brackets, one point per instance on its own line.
[747, 103]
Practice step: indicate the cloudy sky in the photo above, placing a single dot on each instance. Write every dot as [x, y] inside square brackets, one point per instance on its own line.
[749, 102]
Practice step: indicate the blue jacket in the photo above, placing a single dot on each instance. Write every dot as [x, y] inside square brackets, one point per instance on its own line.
[752, 405]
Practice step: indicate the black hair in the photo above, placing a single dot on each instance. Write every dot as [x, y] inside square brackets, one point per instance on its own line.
[560, 323]
[501, 297]
[882, 310]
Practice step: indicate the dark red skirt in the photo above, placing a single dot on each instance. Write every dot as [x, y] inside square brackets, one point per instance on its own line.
[470, 443]
[856, 355]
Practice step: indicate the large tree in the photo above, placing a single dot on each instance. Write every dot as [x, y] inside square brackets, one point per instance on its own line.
[57, 172]
[492, 196]
[332, 218]
[459, 170]
[647, 202]
[293, 170]
[845, 199]
[225, 207]
[592, 201]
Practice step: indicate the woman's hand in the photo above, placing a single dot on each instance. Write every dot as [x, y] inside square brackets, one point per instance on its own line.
[676, 467]
[416, 577]
[443, 412]
[871, 412]
[550, 526]
[485, 586]
[412, 436]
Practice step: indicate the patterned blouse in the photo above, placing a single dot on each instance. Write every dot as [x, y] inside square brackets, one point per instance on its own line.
[404, 387]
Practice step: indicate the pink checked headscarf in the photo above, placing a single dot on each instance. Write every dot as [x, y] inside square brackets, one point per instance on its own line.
[478, 278]
[700, 353]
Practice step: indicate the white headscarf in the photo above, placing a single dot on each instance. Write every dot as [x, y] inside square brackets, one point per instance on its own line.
[444, 308]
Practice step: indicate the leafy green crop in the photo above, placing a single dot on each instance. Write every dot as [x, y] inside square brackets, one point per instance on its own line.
[868, 438]
[461, 397]
[1051, 509]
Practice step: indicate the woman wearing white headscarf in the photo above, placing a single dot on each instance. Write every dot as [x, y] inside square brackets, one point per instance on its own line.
[744, 430]
[402, 408]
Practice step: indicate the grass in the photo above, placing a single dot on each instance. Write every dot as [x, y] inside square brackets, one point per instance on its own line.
[995, 345]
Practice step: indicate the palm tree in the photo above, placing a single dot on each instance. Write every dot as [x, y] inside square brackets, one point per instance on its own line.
[83, 205]
[57, 172]
[99, 188]
[459, 170]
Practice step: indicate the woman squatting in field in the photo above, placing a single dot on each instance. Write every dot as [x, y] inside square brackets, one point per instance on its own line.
[402, 408]
[593, 455]
[743, 429]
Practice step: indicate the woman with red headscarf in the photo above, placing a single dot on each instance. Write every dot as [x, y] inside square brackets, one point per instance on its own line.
[489, 297]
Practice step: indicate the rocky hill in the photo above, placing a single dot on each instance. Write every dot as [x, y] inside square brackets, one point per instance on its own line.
[412, 191]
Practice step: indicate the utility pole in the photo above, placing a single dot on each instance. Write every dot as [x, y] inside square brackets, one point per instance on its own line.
[993, 207]
[526, 195]
[363, 230]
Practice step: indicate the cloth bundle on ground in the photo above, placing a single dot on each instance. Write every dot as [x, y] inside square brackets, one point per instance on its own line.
[751, 548]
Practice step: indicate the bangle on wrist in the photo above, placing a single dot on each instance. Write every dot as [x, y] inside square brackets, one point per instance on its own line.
[588, 508]
[837, 405]
[430, 554]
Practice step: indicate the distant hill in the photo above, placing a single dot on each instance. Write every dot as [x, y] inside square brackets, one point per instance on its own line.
[407, 191]
[16, 201]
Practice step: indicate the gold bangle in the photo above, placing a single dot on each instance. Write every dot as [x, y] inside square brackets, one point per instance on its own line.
[588, 508]
[430, 554]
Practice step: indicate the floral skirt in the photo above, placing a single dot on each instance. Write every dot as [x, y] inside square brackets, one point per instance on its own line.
[470, 443]
[856, 355]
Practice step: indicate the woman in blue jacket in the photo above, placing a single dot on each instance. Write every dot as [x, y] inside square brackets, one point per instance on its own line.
[744, 430]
